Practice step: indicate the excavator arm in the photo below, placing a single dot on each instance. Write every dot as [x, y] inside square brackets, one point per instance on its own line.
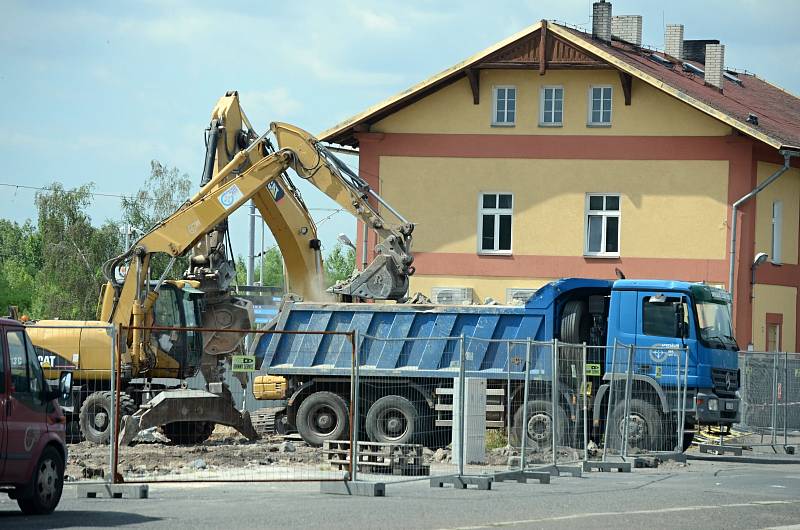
[284, 211]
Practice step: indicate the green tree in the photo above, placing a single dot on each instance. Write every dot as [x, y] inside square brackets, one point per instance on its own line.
[339, 265]
[163, 192]
[20, 259]
[73, 252]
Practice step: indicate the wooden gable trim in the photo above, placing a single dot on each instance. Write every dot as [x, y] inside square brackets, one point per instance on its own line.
[626, 80]
[474, 77]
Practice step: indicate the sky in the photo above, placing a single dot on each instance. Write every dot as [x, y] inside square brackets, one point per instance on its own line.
[92, 91]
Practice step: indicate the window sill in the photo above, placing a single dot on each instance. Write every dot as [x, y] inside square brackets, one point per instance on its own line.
[494, 253]
[601, 256]
[551, 124]
[504, 124]
[598, 125]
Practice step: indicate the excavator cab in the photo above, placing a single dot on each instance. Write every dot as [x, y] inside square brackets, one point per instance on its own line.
[179, 306]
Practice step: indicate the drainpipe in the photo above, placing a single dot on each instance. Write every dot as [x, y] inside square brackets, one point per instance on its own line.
[787, 155]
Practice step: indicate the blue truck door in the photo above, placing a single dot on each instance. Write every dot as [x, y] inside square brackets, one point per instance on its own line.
[3, 400]
[658, 344]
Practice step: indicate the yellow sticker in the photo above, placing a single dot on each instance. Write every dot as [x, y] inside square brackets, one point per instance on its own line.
[659, 371]
[592, 369]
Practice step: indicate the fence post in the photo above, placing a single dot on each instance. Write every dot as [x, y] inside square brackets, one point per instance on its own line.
[585, 407]
[774, 415]
[112, 464]
[525, 393]
[508, 394]
[785, 399]
[628, 377]
[682, 397]
[610, 396]
[554, 419]
[354, 407]
[461, 408]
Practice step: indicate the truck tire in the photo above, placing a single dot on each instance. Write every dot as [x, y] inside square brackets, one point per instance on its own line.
[95, 416]
[644, 426]
[575, 324]
[47, 484]
[188, 432]
[539, 425]
[393, 419]
[322, 416]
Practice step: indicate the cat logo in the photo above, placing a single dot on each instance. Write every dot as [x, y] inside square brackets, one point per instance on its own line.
[47, 361]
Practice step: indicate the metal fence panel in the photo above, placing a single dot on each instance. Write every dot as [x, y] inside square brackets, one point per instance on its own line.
[215, 441]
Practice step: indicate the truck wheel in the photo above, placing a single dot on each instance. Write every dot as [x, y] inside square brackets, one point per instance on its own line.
[47, 484]
[644, 426]
[188, 432]
[95, 416]
[322, 416]
[539, 425]
[392, 419]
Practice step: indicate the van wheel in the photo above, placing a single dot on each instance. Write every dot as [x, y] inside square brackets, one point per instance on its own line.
[322, 416]
[47, 484]
[95, 416]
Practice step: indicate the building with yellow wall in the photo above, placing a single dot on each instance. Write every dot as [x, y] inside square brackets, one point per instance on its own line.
[559, 153]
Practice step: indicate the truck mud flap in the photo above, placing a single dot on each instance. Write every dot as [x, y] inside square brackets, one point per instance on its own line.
[186, 405]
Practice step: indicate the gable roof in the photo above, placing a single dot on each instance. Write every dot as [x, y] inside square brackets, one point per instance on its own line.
[778, 111]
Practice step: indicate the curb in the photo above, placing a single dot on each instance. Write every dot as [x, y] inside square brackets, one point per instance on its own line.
[743, 459]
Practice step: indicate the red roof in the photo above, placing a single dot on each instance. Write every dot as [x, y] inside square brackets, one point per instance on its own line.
[778, 111]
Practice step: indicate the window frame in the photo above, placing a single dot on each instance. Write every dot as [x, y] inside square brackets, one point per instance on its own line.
[496, 123]
[589, 102]
[496, 212]
[776, 233]
[542, 91]
[605, 214]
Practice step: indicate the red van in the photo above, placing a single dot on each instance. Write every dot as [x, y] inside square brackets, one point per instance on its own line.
[32, 435]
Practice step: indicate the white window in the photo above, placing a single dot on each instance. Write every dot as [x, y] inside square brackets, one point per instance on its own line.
[777, 230]
[600, 105]
[494, 223]
[505, 105]
[552, 106]
[602, 224]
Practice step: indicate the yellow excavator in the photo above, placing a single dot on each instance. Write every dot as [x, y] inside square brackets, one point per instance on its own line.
[240, 165]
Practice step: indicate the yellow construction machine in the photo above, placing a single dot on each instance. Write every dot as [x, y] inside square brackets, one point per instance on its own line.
[240, 165]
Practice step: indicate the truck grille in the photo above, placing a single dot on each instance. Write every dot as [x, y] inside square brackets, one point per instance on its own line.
[726, 382]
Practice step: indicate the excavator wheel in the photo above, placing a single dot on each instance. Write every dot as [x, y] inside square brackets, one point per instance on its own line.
[95, 416]
[188, 432]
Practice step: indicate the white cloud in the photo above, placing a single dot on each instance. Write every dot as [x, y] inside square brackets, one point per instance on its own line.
[275, 103]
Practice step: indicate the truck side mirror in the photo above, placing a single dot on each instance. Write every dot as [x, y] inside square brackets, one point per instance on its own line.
[64, 386]
[680, 328]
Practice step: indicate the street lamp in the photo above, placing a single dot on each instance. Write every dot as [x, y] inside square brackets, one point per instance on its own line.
[344, 240]
[760, 258]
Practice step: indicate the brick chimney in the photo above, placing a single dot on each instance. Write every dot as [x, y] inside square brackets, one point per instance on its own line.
[627, 28]
[715, 65]
[673, 40]
[601, 20]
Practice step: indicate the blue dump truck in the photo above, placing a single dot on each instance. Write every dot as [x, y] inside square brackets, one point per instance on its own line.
[408, 373]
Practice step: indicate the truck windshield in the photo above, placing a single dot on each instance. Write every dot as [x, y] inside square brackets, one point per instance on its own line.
[714, 319]
[713, 309]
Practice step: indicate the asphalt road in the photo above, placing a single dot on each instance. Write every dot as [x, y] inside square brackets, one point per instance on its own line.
[702, 495]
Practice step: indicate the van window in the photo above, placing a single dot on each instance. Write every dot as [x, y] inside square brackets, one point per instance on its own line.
[19, 362]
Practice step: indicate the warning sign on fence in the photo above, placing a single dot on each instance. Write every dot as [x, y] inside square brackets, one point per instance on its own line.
[243, 363]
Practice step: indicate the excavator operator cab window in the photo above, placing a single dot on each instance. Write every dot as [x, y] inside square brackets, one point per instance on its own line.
[168, 312]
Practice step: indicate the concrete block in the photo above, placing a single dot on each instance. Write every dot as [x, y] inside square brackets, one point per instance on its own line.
[111, 491]
[621, 467]
[358, 488]
[482, 483]
[720, 449]
[522, 476]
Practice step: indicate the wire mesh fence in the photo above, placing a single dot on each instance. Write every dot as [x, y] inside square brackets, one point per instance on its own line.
[199, 429]
[645, 412]
[87, 352]
[407, 424]
[770, 397]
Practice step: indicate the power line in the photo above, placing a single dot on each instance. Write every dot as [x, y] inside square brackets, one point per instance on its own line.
[117, 196]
